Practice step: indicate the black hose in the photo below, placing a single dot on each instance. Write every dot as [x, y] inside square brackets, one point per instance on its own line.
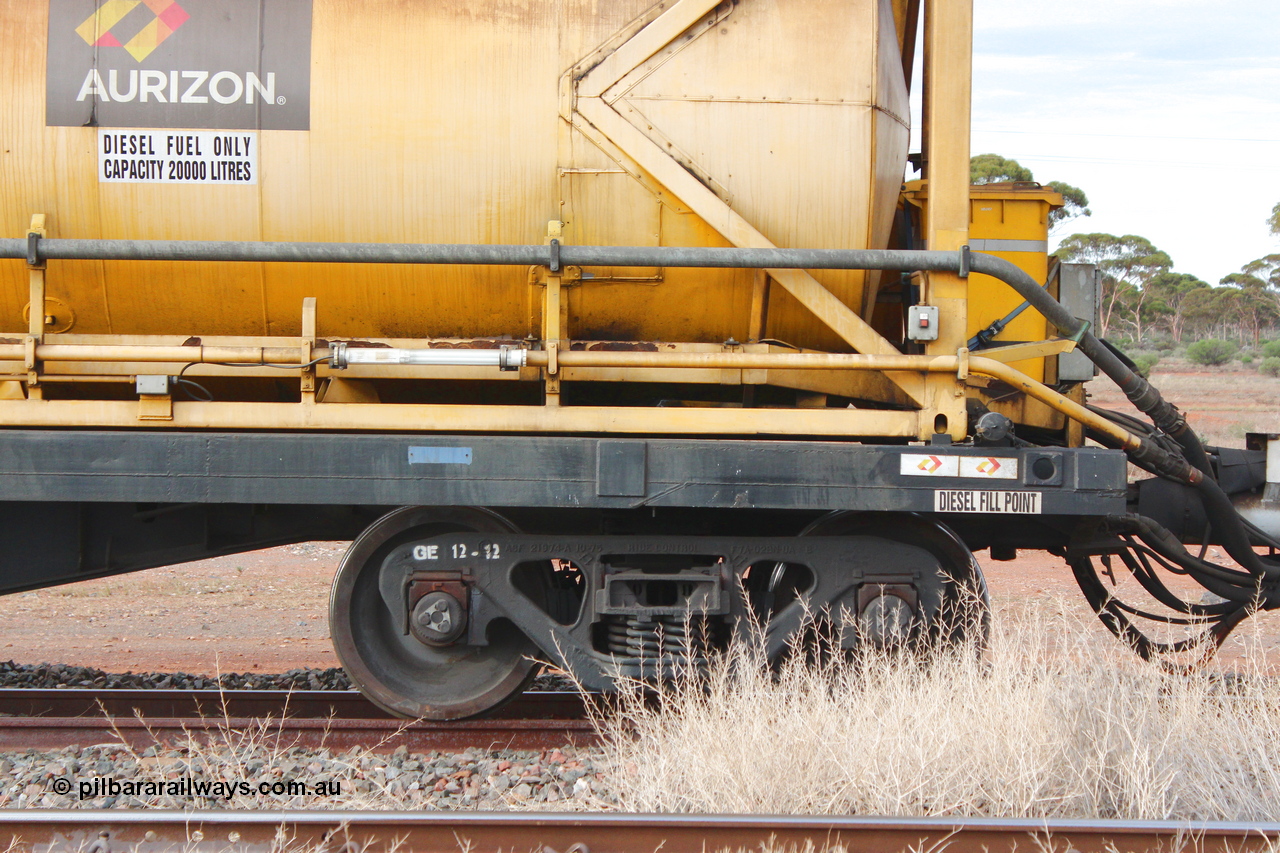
[1135, 559]
[1112, 613]
[1140, 392]
[1232, 585]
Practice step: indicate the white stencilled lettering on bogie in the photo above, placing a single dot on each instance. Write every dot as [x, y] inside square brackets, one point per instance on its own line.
[181, 87]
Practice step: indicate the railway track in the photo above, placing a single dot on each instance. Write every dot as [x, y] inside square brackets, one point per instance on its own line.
[338, 719]
[515, 832]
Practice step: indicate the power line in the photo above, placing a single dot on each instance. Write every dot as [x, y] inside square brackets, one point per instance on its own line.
[1056, 158]
[1131, 136]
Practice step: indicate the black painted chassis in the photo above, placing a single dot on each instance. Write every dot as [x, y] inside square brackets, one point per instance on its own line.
[82, 504]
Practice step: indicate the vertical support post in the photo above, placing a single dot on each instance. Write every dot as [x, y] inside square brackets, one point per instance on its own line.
[1075, 429]
[553, 321]
[308, 346]
[35, 311]
[948, 73]
[759, 306]
[757, 330]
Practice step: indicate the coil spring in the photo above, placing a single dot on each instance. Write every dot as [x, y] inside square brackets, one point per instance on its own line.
[680, 640]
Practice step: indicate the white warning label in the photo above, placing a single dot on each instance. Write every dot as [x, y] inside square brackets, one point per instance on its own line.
[928, 465]
[177, 157]
[971, 500]
[945, 465]
[990, 467]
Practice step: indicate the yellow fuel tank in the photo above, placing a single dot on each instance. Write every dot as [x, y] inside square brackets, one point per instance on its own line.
[473, 121]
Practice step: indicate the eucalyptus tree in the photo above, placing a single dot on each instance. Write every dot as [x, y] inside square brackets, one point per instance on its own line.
[994, 169]
[1173, 295]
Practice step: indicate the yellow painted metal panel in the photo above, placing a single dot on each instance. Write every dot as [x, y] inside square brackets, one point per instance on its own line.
[1012, 216]
[885, 174]
[375, 416]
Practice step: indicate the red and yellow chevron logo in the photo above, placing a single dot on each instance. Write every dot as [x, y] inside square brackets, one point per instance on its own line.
[988, 466]
[930, 464]
[96, 29]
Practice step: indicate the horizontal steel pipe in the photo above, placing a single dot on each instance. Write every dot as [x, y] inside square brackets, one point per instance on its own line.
[561, 255]
[573, 255]
[838, 361]
[75, 379]
[458, 418]
[745, 360]
[1141, 393]
[55, 249]
[503, 357]
[176, 354]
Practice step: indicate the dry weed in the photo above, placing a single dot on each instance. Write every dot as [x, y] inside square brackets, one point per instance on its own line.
[1045, 723]
[228, 764]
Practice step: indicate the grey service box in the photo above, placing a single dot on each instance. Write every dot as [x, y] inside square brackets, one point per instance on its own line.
[1079, 288]
[922, 323]
[153, 385]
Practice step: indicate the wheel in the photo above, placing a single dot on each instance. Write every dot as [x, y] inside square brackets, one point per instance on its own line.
[403, 674]
[950, 607]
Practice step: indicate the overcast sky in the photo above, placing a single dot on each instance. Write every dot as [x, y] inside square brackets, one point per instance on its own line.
[1165, 112]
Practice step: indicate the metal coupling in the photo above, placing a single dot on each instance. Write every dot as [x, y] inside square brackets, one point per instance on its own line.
[338, 356]
[993, 428]
[511, 358]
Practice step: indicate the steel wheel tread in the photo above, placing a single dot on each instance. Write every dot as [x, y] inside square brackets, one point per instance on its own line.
[400, 674]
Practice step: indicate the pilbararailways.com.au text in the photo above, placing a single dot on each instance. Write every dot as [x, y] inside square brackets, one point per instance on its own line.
[189, 787]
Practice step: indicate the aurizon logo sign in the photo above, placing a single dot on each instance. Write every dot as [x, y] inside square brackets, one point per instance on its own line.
[96, 29]
[218, 64]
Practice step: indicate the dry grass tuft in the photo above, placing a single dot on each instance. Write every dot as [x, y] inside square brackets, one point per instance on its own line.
[234, 766]
[1045, 723]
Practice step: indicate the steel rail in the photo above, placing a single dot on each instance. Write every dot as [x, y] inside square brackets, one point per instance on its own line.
[230, 702]
[448, 832]
[54, 719]
[386, 735]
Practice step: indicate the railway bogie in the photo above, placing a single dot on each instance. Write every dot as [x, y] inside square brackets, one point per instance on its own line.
[453, 593]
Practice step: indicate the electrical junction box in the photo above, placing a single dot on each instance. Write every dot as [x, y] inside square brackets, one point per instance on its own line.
[153, 385]
[922, 323]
